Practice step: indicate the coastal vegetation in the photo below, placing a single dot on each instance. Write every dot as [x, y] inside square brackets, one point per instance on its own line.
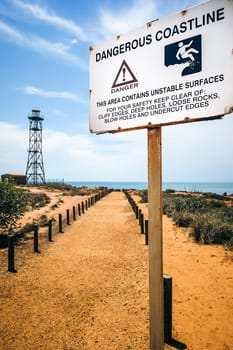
[16, 200]
[69, 190]
[13, 204]
[209, 216]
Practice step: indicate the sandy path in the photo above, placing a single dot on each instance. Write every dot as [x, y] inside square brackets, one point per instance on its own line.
[89, 289]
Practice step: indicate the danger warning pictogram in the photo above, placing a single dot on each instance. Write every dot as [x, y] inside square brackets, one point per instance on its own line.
[124, 76]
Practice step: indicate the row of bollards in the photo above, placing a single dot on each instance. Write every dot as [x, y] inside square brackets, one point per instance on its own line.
[167, 280]
[81, 207]
[139, 216]
[11, 248]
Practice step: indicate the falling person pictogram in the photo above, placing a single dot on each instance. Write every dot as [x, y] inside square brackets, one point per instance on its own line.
[185, 51]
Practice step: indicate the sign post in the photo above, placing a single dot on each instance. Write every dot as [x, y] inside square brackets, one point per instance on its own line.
[170, 71]
[155, 239]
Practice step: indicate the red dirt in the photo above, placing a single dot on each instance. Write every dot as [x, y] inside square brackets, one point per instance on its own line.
[88, 289]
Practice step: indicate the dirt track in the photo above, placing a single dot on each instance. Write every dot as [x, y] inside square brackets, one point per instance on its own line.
[88, 290]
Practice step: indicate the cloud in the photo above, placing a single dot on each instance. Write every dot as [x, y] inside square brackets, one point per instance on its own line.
[74, 41]
[190, 153]
[127, 18]
[77, 157]
[37, 44]
[90, 158]
[43, 14]
[32, 90]
[198, 152]
[13, 158]
[12, 34]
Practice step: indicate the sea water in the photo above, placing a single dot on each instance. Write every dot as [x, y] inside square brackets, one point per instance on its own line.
[214, 187]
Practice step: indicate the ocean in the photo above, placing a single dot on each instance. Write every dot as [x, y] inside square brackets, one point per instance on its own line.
[214, 187]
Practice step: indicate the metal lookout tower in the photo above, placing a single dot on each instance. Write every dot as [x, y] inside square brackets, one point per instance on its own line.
[35, 167]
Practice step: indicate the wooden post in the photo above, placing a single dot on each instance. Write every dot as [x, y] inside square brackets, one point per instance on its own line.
[11, 253]
[156, 296]
[60, 223]
[67, 216]
[136, 211]
[50, 231]
[74, 213]
[146, 232]
[79, 209]
[167, 308]
[36, 239]
[142, 223]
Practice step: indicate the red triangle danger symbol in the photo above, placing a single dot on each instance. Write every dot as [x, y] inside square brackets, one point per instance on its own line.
[124, 76]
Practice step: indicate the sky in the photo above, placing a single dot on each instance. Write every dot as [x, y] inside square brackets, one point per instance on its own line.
[44, 46]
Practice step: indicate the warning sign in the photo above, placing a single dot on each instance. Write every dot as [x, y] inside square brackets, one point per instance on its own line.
[186, 53]
[176, 70]
[124, 76]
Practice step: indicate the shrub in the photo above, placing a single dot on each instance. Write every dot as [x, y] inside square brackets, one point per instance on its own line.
[201, 229]
[229, 244]
[43, 220]
[208, 229]
[37, 200]
[183, 219]
[170, 190]
[210, 219]
[3, 241]
[144, 195]
[12, 204]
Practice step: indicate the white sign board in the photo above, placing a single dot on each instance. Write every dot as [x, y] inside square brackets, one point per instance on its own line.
[173, 70]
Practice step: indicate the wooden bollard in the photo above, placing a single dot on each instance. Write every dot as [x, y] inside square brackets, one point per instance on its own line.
[74, 213]
[67, 216]
[136, 211]
[133, 204]
[79, 209]
[83, 210]
[167, 280]
[50, 231]
[86, 204]
[11, 253]
[139, 216]
[36, 239]
[146, 232]
[142, 223]
[60, 223]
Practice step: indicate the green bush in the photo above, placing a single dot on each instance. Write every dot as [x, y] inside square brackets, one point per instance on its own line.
[37, 200]
[43, 220]
[144, 195]
[13, 203]
[183, 219]
[209, 230]
[208, 216]
[229, 244]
